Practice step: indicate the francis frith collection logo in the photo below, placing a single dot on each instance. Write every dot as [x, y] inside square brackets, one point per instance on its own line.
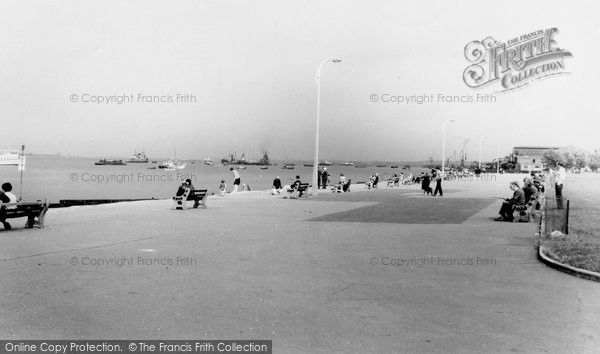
[515, 63]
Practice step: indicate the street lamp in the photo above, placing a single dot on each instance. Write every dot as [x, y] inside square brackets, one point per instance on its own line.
[498, 154]
[444, 143]
[316, 162]
[480, 145]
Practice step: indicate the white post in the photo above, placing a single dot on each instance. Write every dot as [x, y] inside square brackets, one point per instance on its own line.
[316, 160]
[498, 154]
[444, 144]
[22, 168]
[480, 146]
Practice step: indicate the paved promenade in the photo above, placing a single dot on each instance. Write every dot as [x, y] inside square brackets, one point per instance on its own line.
[385, 270]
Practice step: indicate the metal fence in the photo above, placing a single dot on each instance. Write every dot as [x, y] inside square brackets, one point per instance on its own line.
[556, 211]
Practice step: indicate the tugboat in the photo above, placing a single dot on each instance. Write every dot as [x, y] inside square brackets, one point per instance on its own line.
[138, 157]
[208, 162]
[105, 162]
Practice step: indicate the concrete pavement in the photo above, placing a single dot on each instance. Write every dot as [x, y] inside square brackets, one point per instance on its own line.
[253, 266]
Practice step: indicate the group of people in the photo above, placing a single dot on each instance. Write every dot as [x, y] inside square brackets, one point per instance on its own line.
[373, 181]
[533, 187]
[322, 178]
[287, 190]
[6, 196]
[427, 178]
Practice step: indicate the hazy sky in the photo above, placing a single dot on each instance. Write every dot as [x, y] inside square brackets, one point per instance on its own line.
[251, 67]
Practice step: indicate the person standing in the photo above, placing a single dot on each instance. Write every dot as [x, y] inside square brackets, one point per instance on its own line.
[6, 196]
[438, 183]
[324, 178]
[236, 179]
[319, 177]
[559, 181]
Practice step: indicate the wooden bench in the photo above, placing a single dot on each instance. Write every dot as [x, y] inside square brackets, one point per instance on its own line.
[197, 195]
[302, 188]
[523, 213]
[34, 211]
[295, 193]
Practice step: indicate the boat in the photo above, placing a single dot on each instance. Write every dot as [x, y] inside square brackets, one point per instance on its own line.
[232, 160]
[264, 167]
[394, 166]
[105, 162]
[346, 163]
[406, 167]
[138, 157]
[171, 165]
[360, 165]
[325, 163]
[287, 167]
[208, 162]
[381, 165]
[10, 158]
[309, 165]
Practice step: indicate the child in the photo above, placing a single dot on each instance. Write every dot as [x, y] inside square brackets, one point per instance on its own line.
[223, 188]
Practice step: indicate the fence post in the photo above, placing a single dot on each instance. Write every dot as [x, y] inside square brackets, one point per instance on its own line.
[567, 219]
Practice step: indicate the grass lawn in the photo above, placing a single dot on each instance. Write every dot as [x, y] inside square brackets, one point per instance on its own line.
[581, 247]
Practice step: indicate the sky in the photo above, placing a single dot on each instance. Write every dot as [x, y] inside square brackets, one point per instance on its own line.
[250, 67]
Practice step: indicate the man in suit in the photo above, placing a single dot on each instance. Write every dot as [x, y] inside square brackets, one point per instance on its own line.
[324, 178]
[518, 198]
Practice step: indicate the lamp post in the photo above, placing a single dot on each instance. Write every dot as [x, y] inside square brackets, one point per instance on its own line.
[480, 145]
[444, 143]
[316, 162]
[498, 154]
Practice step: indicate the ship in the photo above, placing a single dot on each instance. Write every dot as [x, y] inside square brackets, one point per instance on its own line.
[288, 167]
[208, 162]
[105, 162]
[9, 158]
[325, 163]
[346, 163]
[138, 157]
[232, 160]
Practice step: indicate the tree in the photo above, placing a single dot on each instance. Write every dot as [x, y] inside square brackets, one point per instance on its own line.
[551, 158]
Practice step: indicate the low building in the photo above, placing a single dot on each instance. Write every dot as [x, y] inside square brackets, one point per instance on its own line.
[530, 158]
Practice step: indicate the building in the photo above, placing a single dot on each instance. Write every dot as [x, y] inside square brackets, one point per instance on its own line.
[530, 158]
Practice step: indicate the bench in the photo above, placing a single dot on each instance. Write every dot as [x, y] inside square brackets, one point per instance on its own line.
[197, 195]
[393, 182]
[34, 211]
[341, 188]
[523, 212]
[302, 188]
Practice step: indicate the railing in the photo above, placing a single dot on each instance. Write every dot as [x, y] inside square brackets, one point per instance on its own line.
[556, 212]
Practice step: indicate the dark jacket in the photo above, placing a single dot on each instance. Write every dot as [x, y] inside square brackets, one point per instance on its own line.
[530, 192]
[517, 198]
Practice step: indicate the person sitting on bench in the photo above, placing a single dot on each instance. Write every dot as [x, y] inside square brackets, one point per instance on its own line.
[518, 198]
[295, 187]
[182, 188]
[6, 196]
